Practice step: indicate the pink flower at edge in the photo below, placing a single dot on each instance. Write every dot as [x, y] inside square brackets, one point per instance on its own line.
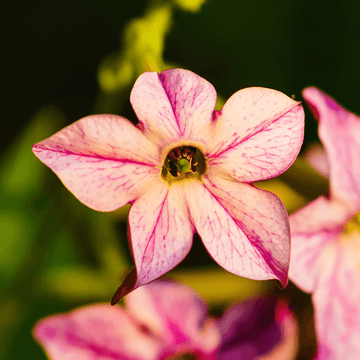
[160, 321]
[325, 235]
[262, 328]
[184, 168]
[316, 157]
[166, 320]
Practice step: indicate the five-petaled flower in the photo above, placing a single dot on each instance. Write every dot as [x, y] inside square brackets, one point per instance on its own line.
[325, 234]
[166, 320]
[184, 168]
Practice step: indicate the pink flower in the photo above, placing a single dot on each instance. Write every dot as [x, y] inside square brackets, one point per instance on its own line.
[261, 328]
[325, 256]
[162, 320]
[166, 320]
[184, 168]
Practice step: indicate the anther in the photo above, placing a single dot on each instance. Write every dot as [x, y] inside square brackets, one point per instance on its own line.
[183, 162]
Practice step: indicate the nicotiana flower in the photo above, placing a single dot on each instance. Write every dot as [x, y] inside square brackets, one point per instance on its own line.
[184, 168]
[162, 320]
[166, 320]
[325, 256]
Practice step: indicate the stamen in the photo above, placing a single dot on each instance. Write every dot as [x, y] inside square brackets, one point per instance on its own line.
[193, 167]
[183, 162]
[175, 154]
[189, 152]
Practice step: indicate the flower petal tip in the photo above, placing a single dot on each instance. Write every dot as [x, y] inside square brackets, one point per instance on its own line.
[128, 285]
[312, 91]
[285, 282]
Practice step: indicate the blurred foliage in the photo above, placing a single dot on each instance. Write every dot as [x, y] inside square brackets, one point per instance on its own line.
[83, 57]
[142, 50]
[219, 287]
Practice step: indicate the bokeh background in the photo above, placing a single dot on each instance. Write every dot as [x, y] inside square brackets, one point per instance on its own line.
[63, 60]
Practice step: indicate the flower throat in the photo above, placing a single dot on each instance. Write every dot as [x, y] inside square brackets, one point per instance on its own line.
[183, 162]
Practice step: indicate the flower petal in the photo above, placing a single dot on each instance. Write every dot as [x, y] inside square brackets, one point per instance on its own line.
[192, 99]
[321, 214]
[312, 228]
[153, 109]
[96, 331]
[176, 314]
[161, 234]
[267, 152]
[251, 125]
[245, 229]
[339, 131]
[336, 300]
[253, 329]
[104, 160]
[305, 252]
[174, 105]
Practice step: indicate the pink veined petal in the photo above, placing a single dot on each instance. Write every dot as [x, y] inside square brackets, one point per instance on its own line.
[104, 160]
[267, 149]
[336, 302]
[161, 234]
[305, 252]
[174, 105]
[192, 99]
[141, 304]
[339, 131]
[153, 109]
[312, 228]
[321, 214]
[246, 113]
[96, 331]
[245, 229]
[177, 314]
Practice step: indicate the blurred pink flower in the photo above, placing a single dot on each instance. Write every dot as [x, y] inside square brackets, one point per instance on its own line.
[166, 320]
[261, 328]
[162, 320]
[316, 157]
[325, 235]
[184, 168]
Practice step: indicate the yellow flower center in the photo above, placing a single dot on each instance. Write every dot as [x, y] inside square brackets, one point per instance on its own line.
[350, 240]
[353, 225]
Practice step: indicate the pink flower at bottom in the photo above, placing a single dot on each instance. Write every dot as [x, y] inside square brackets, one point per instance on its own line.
[261, 328]
[167, 321]
[325, 234]
[184, 168]
[160, 321]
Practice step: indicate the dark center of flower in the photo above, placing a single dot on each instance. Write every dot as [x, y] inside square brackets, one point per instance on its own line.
[183, 162]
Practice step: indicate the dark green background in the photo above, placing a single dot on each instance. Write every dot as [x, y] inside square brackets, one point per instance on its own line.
[51, 50]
